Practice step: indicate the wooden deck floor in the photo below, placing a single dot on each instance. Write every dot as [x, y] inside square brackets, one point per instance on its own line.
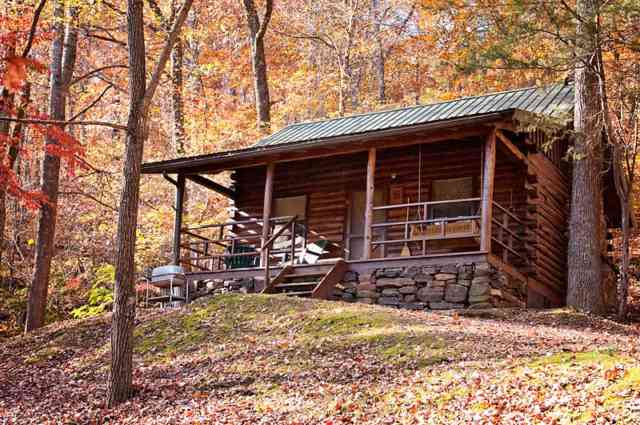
[359, 266]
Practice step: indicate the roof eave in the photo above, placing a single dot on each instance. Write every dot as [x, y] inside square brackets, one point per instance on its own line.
[254, 154]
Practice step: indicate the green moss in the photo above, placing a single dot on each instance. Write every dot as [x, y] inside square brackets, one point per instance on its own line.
[603, 357]
[166, 337]
[455, 393]
[202, 323]
[403, 345]
[630, 381]
[343, 321]
[46, 353]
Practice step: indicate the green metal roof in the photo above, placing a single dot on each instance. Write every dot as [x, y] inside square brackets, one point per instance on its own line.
[551, 100]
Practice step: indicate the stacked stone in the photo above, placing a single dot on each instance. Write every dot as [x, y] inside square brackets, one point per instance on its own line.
[396, 287]
[434, 287]
[346, 290]
[505, 292]
[215, 286]
[442, 290]
[480, 290]
[243, 285]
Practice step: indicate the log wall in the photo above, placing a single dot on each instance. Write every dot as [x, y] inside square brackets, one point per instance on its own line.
[547, 218]
[328, 182]
[539, 195]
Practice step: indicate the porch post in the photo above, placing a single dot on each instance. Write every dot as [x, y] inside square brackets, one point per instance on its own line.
[177, 226]
[266, 208]
[489, 167]
[368, 210]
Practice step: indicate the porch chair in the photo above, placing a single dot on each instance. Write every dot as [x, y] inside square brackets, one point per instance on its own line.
[242, 261]
[282, 244]
[312, 252]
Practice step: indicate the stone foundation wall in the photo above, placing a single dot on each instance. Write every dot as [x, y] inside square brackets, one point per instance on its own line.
[442, 287]
[241, 285]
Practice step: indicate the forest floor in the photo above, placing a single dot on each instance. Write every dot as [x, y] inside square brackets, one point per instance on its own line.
[248, 359]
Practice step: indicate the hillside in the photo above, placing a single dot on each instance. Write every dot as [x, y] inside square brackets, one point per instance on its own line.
[267, 359]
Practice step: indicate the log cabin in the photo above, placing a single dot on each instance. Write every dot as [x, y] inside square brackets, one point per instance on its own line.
[457, 204]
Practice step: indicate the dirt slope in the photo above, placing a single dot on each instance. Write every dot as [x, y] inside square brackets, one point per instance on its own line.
[268, 359]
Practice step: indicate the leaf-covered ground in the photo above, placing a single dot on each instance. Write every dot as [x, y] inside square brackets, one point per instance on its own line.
[267, 359]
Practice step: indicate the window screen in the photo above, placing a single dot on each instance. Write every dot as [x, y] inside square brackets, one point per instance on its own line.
[451, 189]
[290, 206]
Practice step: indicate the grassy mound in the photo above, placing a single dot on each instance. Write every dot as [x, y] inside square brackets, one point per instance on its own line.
[270, 359]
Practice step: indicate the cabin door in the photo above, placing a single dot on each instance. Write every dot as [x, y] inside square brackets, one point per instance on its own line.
[354, 236]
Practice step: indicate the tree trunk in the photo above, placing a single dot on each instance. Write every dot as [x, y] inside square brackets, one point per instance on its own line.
[124, 305]
[177, 105]
[3, 220]
[140, 95]
[257, 30]
[63, 57]
[623, 180]
[418, 83]
[177, 83]
[6, 106]
[263, 105]
[585, 224]
[378, 53]
[623, 280]
[380, 77]
[11, 157]
[178, 136]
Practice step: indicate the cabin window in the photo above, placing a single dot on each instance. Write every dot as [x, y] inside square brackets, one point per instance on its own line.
[290, 206]
[451, 189]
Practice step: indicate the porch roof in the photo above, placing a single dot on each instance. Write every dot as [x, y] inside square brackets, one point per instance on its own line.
[554, 100]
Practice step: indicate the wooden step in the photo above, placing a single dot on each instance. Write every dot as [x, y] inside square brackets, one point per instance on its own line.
[304, 274]
[296, 293]
[292, 284]
[310, 268]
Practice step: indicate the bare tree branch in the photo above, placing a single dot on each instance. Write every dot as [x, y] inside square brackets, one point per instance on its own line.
[111, 82]
[265, 19]
[89, 196]
[155, 8]
[32, 30]
[164, 55]
[108, 39]
[63, 123]
[95, 71]
[329, 43]
[92, 104]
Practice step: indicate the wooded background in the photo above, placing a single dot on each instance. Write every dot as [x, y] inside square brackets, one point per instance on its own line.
[238, 71]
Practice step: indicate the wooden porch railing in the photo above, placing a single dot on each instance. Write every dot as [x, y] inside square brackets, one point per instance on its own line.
[422, 229]
[508, 233]
[268, 246]
[238, 243]
[507, 228]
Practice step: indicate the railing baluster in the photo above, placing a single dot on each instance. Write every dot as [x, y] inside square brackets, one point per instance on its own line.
[206, 253]
[509, 243]
[267, 271]
[424, 217]
[293, 241]
[500, 225]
